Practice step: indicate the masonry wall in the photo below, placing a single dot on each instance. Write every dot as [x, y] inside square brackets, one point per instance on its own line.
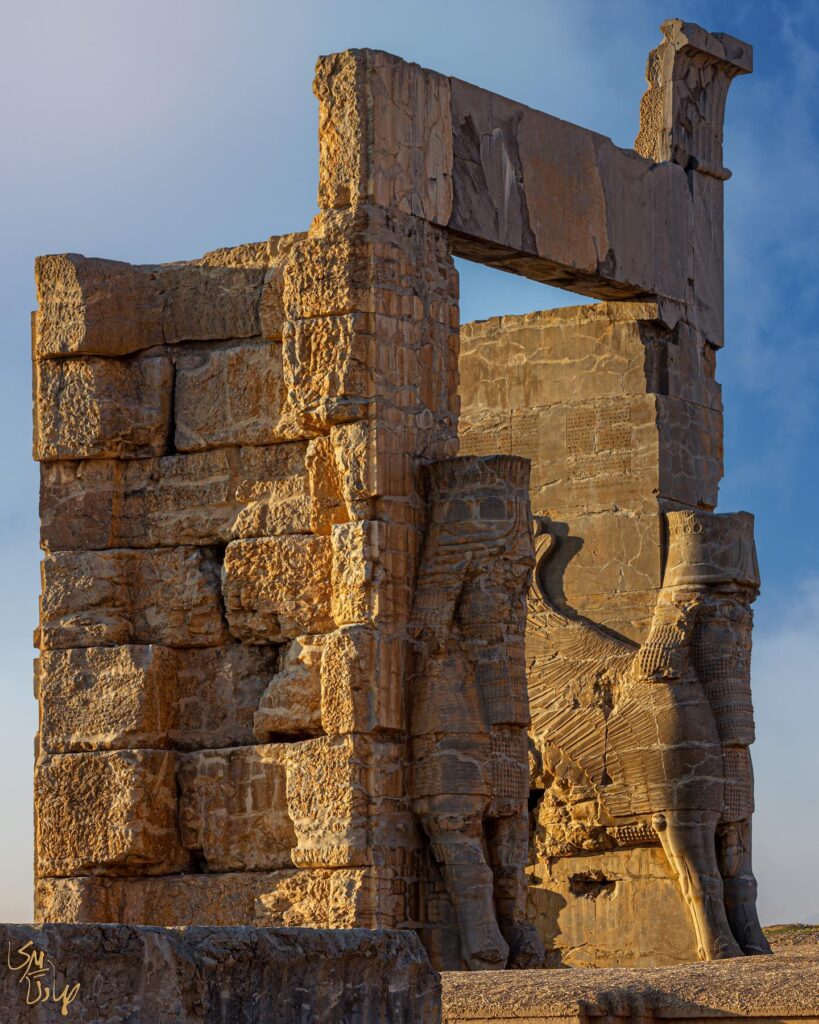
[229, 455]
[617, 407]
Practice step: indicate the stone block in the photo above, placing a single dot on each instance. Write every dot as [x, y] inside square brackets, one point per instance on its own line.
[327, 505]
[219, 689]
[373, 565]
[604, 553]
[199, 498]
[93, 408]
[291, 705]
[277, 588]
[327, 367]
[102, 698]
[585, 456]
[271, 304]
[136, 697]
[97, 307]
[109, 308]
[107, 812]
[690, 445]
[197, 975]
[346, 798]
[209, 302]
[624, 911]
[366, 260]
[578, 354]
[272, 486]
[369, 95]
[167, 596]
[233, 808]
[228, 394]
[361, 681]
[371, 897]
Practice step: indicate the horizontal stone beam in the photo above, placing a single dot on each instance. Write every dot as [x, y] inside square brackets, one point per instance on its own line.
[517, 189]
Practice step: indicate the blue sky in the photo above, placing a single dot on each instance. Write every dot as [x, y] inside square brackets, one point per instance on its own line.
[156, 131]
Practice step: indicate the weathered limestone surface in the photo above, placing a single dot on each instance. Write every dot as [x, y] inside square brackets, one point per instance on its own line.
[199, 498]
[93, 408]
[228, 393]
[347, 798]
[147, 696]
[624, 910]
[283, 672]
[108, 308]
[233, 808]
[218, 976]
[617, 407]
[636, 745]
[166, 596]
[277, 588]
[578, 208]
[291, 702]
[108, 812]
[371, 897]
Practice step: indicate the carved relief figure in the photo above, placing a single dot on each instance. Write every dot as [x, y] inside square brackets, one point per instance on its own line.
[469, 705]
[640, 744]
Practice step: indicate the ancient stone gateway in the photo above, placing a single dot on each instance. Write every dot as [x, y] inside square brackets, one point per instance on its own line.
[284, 638]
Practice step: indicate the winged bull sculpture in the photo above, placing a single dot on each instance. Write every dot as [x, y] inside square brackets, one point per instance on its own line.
[640, 744]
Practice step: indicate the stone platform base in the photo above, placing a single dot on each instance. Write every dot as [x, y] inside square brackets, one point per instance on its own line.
[121, 974]
[783, 988]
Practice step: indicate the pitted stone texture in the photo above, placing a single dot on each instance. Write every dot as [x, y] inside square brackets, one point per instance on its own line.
[277, 588]
[358, 665]
[95, 408]
[213, 975]
[291, 703]
[372, 304]
[108, 308]
[346, 797]
[370, 897]
[158, 595]
[233, 808]
[198, 498]
[372, 573]
[229, 393]
[107, 812]
[136, 697]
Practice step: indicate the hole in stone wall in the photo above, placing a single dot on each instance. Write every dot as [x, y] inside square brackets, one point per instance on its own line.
[591, 885]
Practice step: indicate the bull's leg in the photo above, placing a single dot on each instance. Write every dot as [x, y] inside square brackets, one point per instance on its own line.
[508, 845]
[457, 847]
[689, 842]
[739, 885]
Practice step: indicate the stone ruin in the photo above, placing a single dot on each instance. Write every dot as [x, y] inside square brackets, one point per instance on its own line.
[287, 671]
